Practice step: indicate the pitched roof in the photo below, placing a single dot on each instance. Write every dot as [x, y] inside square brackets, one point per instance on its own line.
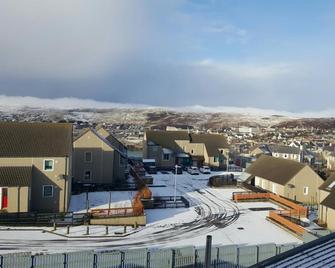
[283, 149]
[274, 169]
[167, 139]
[35, 139]
[211, 141]
[102, 138]
[330, 181]
[329, 201]
[15, 176]
[317, 253]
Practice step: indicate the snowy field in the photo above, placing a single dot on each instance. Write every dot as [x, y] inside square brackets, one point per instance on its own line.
[211, 212]
[101, 200]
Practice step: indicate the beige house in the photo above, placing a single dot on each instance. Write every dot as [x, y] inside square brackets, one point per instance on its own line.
[99, 158]
[280, 151]
[327, 203]
[169, 148]
[35, 167]
[287, 178]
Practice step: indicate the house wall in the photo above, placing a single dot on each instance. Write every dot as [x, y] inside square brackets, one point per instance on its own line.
[327, 215]
[305, 178]
[295, 157]
[322, 210]
[61, 187]
[102, 164]
[330, 162]
[269, 186]
[18, 199]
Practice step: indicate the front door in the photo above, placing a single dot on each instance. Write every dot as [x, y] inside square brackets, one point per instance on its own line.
[3, 198]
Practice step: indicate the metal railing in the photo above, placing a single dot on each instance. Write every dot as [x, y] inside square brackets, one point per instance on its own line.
[221, 256]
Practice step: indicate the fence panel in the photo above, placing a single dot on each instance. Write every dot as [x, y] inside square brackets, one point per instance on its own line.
[82, 259]
[200, 254]
[247, 256]
[227, 256]
[161, 258]
[108, 259]
[285, 247]
[49, 260]
[266, 251]
[17, 260]
[184, 257]
[136, 258]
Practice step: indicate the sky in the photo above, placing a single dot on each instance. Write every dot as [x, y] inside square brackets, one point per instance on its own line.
[266, 54]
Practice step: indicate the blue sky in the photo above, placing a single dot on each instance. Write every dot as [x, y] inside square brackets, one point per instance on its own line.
[257, 53]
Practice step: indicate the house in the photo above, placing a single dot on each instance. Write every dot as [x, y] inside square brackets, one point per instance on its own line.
[98, 158]
[286, 178]
[326, 209]
[35, 167]
[169, 148]
[281, 151]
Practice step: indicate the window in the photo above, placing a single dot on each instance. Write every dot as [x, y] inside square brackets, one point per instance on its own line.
[305, 190]
[216, 159]
[274, 188]
[87, 175]
[88, 156]
[48, 165]
[48, 191]
[166, 157]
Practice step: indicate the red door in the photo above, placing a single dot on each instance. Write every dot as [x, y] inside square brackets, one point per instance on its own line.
[4, 198]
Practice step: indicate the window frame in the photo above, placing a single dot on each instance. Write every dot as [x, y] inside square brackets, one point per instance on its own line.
[169, 157]
[52, 191]
[53, 165]
[90, 171]
[90, 152]
[305, 188]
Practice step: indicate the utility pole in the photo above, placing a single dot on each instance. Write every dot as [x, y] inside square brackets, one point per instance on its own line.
[208, 252]
[109, 202]
[175, 184]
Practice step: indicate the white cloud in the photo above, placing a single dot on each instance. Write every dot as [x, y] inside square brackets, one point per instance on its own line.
[66, 39]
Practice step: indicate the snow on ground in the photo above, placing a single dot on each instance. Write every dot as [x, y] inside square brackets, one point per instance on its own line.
[212, 212]
[101, 200]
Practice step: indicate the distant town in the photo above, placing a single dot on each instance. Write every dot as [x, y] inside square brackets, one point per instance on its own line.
[124, 179]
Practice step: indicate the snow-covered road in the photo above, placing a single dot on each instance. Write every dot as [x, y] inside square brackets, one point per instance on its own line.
[211, 212]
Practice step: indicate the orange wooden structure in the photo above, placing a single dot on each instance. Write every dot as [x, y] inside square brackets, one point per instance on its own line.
[281, 216]
[137, 208]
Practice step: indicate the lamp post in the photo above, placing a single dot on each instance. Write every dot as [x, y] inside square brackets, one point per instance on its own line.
[175, 184]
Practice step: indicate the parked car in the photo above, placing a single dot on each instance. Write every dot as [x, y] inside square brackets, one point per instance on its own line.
[193, 170]
[179, 170]
[205, 170]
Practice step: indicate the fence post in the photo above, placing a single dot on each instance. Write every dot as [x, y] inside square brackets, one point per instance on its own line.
[95, 261]
[173, 258]
[106, 230]
[32, 261]
[196, 258]
[148, 259]
[122, 260]
[208, 251]
[65, 260]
